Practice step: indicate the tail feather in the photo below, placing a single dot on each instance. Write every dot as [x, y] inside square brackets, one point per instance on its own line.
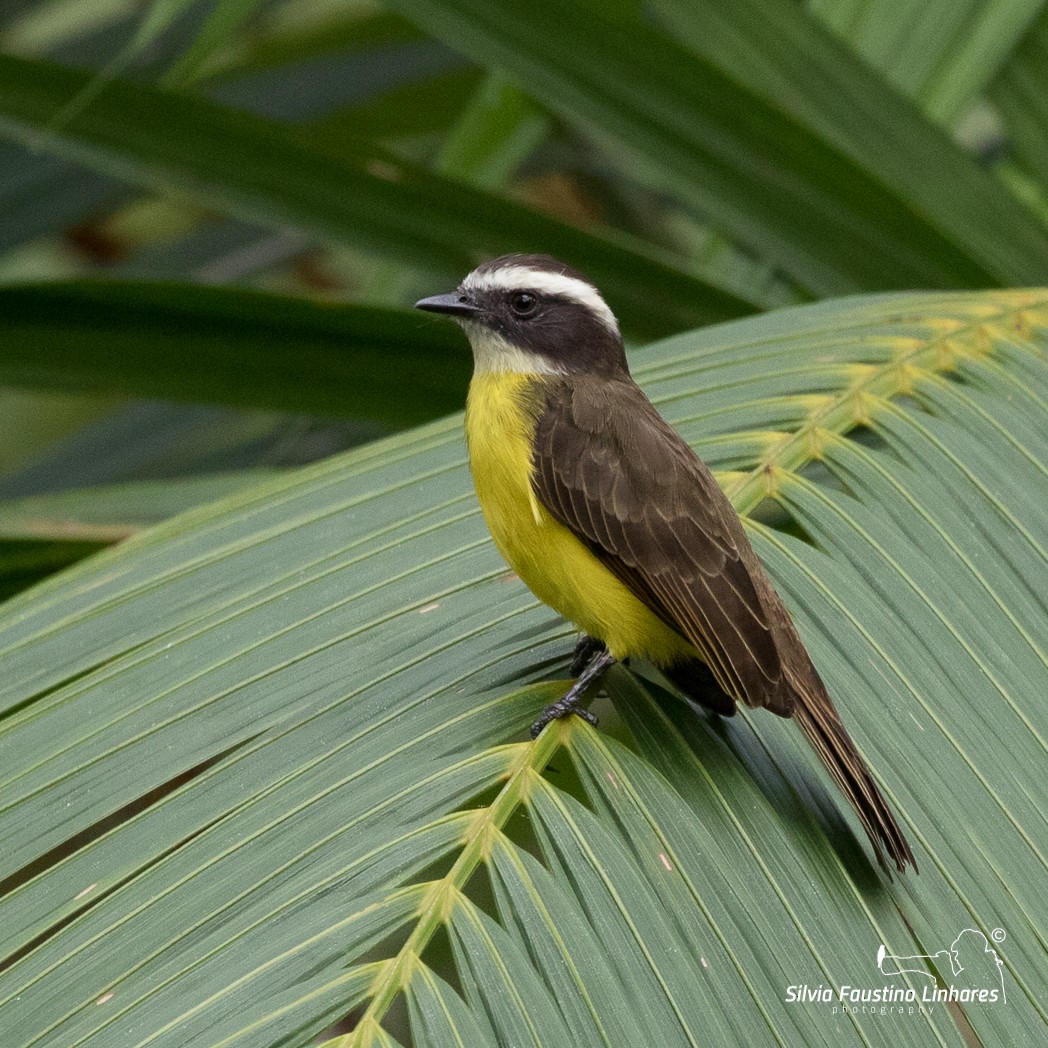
[820, 722]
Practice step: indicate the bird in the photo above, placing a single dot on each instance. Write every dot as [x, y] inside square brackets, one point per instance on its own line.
[611, 518]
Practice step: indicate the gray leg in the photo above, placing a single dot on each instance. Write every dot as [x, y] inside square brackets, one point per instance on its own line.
[570, 703]
[586, 648]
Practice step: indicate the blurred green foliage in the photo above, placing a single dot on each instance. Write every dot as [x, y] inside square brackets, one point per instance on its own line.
[734, 156]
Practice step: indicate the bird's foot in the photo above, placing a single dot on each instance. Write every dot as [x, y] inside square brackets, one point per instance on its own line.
[571, 702]
[583, 654]
[561, 708]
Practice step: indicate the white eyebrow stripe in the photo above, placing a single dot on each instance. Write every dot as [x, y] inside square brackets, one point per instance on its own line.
[526, 279]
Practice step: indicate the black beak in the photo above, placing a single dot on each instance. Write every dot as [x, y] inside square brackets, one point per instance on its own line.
[454, 304]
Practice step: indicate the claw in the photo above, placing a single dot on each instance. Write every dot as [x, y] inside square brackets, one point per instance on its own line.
[571, 702]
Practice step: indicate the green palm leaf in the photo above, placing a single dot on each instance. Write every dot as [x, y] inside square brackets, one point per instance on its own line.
[343, 190]
[262, 765]
[830, 175]
[231, 346]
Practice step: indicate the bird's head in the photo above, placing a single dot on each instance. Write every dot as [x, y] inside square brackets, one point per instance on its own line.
[535, 315]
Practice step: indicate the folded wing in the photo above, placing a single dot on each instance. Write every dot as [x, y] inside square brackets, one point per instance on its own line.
[610, 469]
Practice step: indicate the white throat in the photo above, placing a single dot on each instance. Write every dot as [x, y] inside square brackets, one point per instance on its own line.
[492, 353]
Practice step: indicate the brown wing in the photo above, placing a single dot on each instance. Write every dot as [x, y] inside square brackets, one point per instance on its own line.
[608, 467]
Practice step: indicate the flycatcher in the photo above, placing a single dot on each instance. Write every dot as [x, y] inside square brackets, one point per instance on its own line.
[605, 512]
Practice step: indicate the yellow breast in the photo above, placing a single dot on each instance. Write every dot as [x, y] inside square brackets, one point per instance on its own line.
[556, 566]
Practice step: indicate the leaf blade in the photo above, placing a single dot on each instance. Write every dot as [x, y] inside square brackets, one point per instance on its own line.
[264, 172]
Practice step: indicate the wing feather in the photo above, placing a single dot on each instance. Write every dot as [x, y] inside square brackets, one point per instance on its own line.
[610, 469]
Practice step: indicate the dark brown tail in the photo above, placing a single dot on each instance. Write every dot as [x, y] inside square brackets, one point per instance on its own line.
[820, 721]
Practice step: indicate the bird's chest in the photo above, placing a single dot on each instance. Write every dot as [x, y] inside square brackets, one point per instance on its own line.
[500, 428]
[558, 568]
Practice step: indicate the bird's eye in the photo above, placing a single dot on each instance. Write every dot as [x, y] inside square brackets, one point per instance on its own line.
[523, 303]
